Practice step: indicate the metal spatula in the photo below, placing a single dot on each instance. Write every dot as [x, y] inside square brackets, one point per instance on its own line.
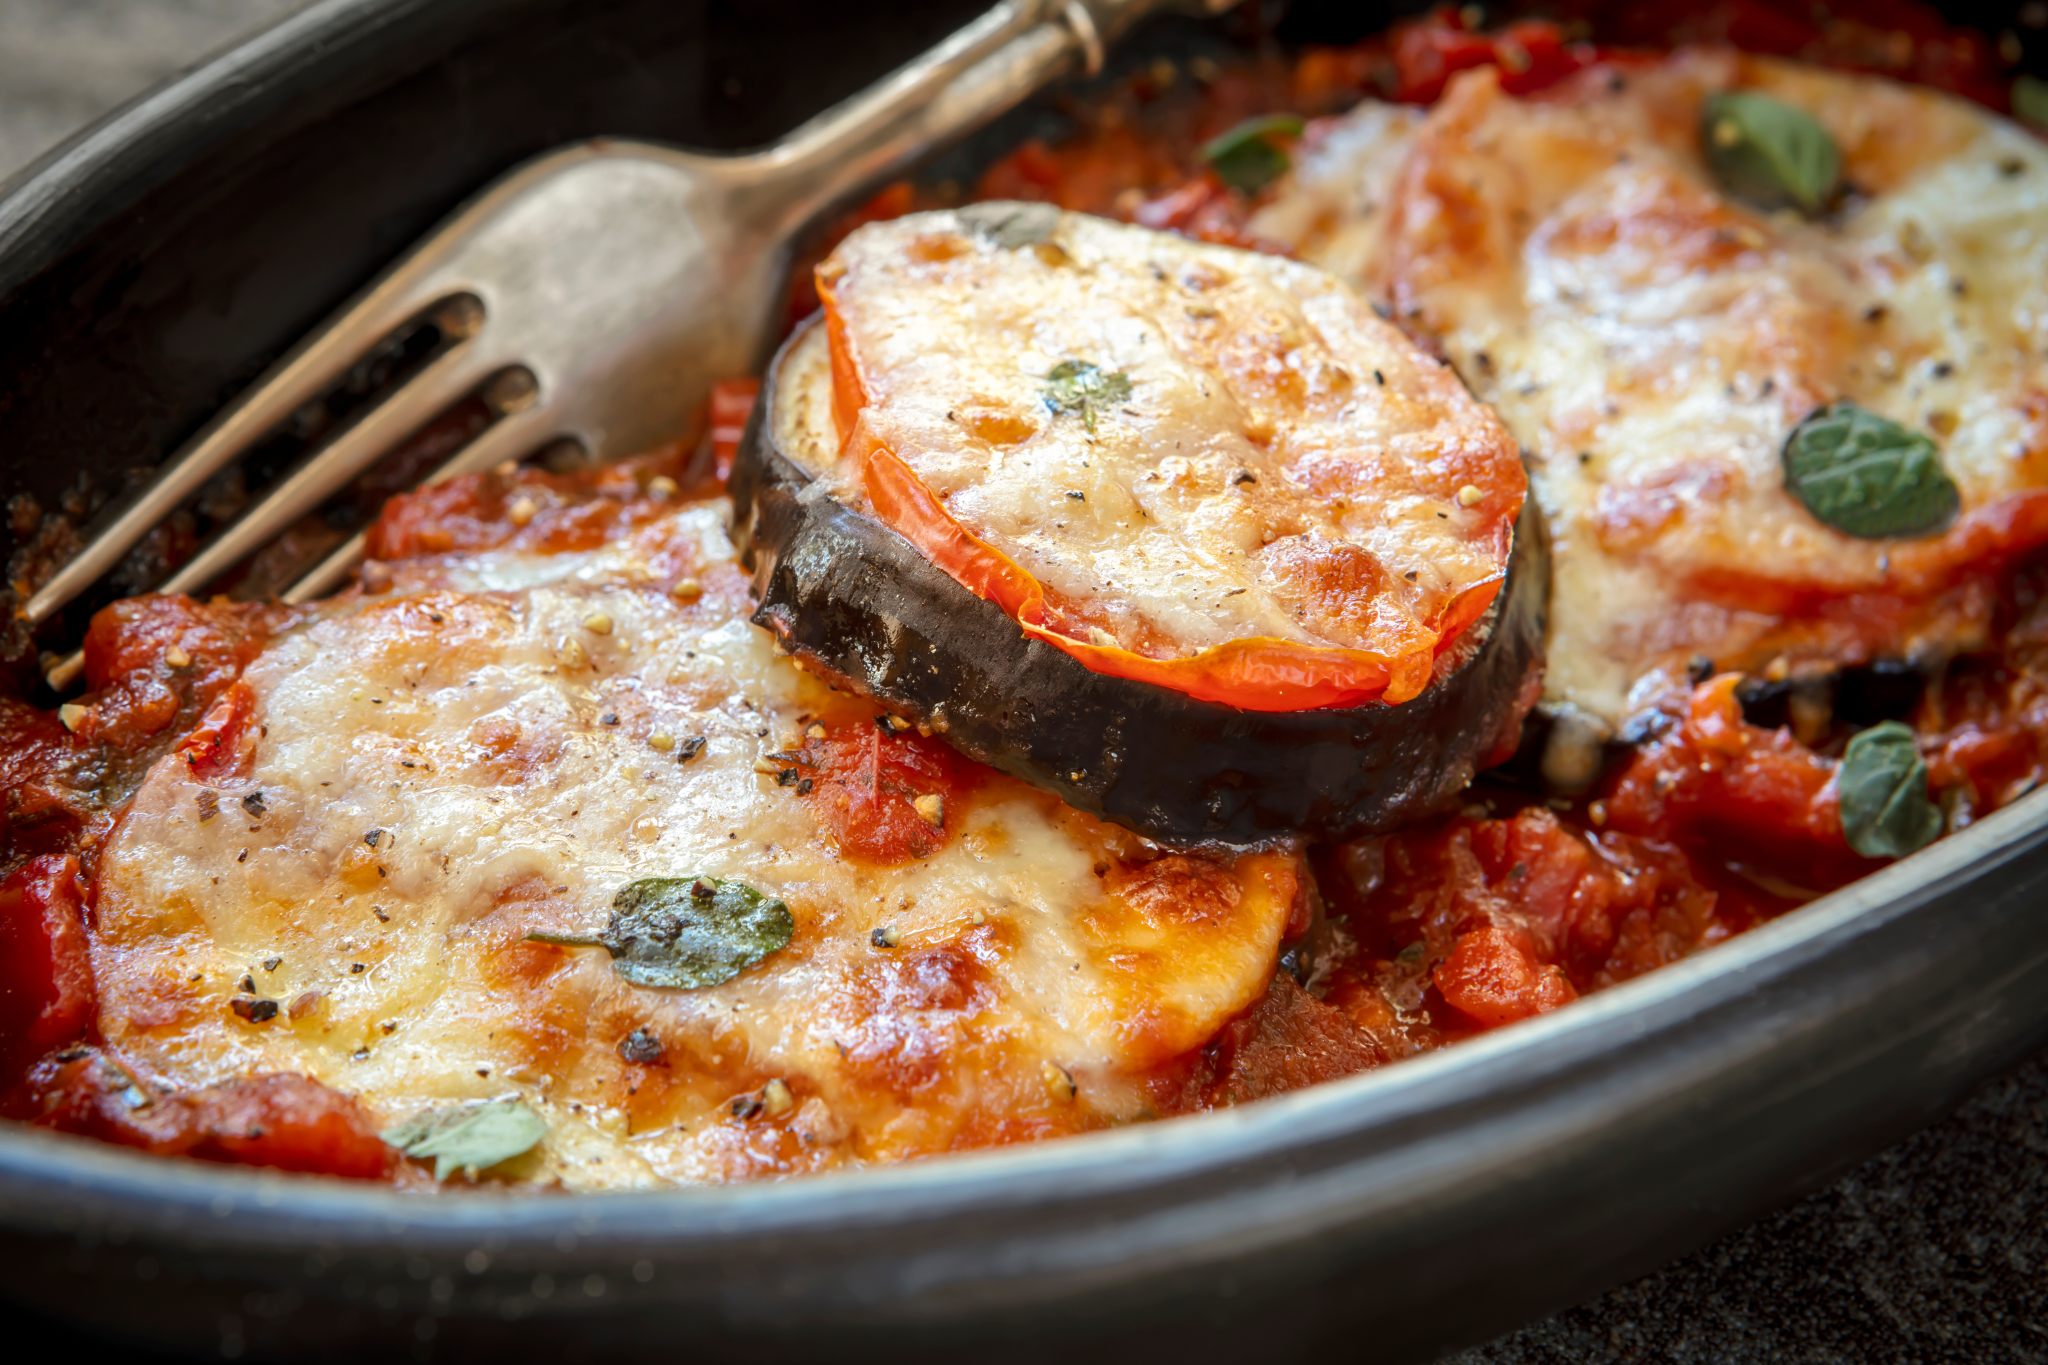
[594, 294]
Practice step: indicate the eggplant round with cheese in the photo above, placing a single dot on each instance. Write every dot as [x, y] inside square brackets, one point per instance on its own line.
[841, 589]
[1676, 346]
[530, 835]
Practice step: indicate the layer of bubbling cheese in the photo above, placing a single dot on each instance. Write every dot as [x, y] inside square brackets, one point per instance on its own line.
[1275, 462]
[495, 746]
[1652, 342]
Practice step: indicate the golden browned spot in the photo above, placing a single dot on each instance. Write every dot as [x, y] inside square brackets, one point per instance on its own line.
[936, 247]
[1632, 516]
[995, 423]
[438, 625]
[911, 1013]
[1178, 889]
[358, 870]
[164, 998]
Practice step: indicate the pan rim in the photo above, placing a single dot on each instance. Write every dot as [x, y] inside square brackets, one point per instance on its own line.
[1548, 1049]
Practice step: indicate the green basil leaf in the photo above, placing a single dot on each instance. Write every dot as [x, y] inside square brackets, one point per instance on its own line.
[469, 1137]
[685, 933]
[1078, 387]
[1768, 152]
[2030, 101]
[1012, 223]
[1886, 812]
[1867, 476]
[1250, 156]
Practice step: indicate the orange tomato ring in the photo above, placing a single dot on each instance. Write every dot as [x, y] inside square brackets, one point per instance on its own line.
[1256, 673]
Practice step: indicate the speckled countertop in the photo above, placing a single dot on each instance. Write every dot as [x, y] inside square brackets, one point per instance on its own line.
[1935, 1251]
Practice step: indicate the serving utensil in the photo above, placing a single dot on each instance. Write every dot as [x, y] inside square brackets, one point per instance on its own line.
[592, 295]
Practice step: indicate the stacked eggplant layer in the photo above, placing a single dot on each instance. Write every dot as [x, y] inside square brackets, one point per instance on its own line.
[846, 593]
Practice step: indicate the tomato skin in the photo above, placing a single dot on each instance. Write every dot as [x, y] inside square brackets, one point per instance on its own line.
[1531, 55]
[273, 1119]
[732, 402]
[863, 779]
[46, 986]
[158, 666]
[525, 508]
[217, 746]
[1492, 976]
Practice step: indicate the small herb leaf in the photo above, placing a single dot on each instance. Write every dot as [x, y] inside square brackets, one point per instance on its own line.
[1012, 223]
[1768, 152]
[469, 1137]
[1076, 386]
[1886, 812]
[1251, 156]
[1867, 476]
[685, 933]
[2030, 101]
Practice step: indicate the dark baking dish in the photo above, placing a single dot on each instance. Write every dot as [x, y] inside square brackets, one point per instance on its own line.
[159, 262]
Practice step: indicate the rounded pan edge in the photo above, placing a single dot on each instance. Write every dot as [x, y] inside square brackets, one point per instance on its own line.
[1507, 1176]
[843, 591]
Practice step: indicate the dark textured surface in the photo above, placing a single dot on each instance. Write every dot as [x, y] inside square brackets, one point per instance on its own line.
[1935, 1251]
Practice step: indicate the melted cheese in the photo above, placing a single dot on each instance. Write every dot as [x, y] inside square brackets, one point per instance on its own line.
[1286, 466]
[1652, 342]
[484, 751]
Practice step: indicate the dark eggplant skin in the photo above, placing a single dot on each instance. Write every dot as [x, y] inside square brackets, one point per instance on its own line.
[847, 594]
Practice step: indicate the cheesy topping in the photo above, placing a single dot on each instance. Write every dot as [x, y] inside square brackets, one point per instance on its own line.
[1653, 340]
[498, 743]
[1185, 445]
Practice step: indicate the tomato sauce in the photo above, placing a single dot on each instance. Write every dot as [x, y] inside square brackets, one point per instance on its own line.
[1513, 907]
[888, 796]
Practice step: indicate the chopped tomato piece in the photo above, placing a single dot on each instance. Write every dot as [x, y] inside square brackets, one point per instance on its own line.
[732, 401]
[1718, 783]
[1492, 976]
[525, 508]
[1531, 56]
[46, 986]
[283, 1121]
[160, 666]
[1287, 1041]
[214, 748]
[888, 796]
[42, 808]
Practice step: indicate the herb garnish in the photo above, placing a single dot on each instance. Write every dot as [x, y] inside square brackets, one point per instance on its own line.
[1251, 156]
[469, 1137]
[1868, 476]
[1886, 812]
[2030, 101]
[1012, 224]
[1079, 387]
[685, 933]
[1769, 152]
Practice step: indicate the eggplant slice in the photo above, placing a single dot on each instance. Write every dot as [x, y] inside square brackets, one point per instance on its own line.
[844, 592]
